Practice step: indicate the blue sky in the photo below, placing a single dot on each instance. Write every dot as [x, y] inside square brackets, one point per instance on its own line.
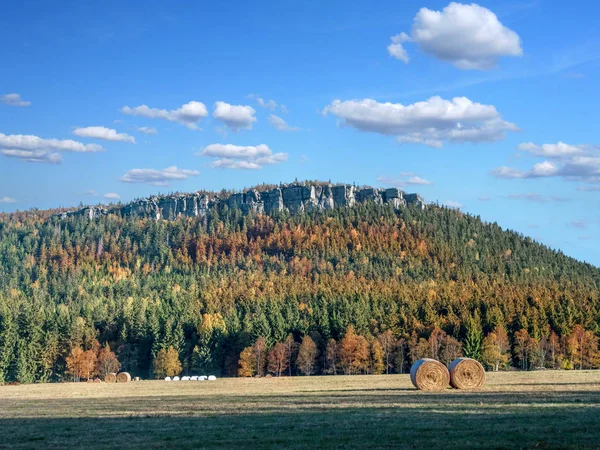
[490, 107]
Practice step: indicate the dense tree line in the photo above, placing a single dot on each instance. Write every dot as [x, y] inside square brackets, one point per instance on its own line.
[406, 283]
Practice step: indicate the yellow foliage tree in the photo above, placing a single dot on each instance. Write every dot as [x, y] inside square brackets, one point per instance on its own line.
[167, 363]
[377, 356]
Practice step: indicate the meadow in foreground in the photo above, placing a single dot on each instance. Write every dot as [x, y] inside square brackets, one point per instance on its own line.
[514, 410]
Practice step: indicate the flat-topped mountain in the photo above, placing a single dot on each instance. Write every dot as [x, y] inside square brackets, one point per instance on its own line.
[295, 198]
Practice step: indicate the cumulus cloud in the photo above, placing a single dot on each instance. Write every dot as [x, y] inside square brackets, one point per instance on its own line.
[108, 134]
[537, 198]
[405, 179]
[280, 124]
[571, 162]
[112, 196]
[558, 150]
[35, 149]
[235, 117]
[147, 130]
[7, 200]
[29, 142]
[467, 36]
[189, 114]
[158, 177]
[14, 100]
[543, 169]
[396, 50]
[269, 104]
[229, 156]
[431, 122]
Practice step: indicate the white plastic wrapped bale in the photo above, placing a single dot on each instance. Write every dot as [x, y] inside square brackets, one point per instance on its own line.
[175, 378]
[194, 378]
[212, 378]
[167, 378]
[202, 378]
[186, 378]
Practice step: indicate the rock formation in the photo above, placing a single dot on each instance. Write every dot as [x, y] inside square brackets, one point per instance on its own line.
[295, 197]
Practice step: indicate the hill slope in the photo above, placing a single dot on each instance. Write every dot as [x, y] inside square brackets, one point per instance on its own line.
[210, 286]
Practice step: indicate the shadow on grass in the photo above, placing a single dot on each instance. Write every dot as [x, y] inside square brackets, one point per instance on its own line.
[445, 420]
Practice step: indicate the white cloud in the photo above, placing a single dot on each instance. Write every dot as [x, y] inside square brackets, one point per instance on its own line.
[540, 170]
[35, 149]
[571, 162]
[7, 200]
[112, 196]
[558, 150]
[405, 179]
[236, 117]
[147, 130]
[14, 100]
[29, 142]
[158, 177]
[108, 134]
[467, 36]
[396, 50]
[537, 198]
[280, 124]
[485, 198]
[231, 156]
[91, 193]
[269, 104]
[33, 155]
[453, 204]
[431, 122]
[189, 114]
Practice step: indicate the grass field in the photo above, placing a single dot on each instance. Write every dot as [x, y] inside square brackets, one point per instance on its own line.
[514, 410]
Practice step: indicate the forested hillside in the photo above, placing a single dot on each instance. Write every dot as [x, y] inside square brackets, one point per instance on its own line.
[365, 289]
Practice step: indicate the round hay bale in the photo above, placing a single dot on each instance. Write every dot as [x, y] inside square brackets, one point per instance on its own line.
[429, 375]
[136, 379]
[110, 378]
[167, 378]
[97, 380]
[175, 378]
[212, 378]
[202, 378]
[123, 377]
[466, 373]
[194, 378]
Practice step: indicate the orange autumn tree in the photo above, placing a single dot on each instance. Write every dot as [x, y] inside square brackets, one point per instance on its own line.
[106, 362]
[253, 359]
[377, 357]
[81, 364]
[307, 356]
[247, 363]
[353, 352]
[278, 359]
[583, 348]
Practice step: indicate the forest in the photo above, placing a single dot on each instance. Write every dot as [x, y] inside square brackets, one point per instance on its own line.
[359, 290]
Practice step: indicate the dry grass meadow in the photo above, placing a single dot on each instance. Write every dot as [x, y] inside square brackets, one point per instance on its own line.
[514, 410]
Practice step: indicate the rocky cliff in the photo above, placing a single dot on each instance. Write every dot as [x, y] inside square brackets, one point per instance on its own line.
[296, 197]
